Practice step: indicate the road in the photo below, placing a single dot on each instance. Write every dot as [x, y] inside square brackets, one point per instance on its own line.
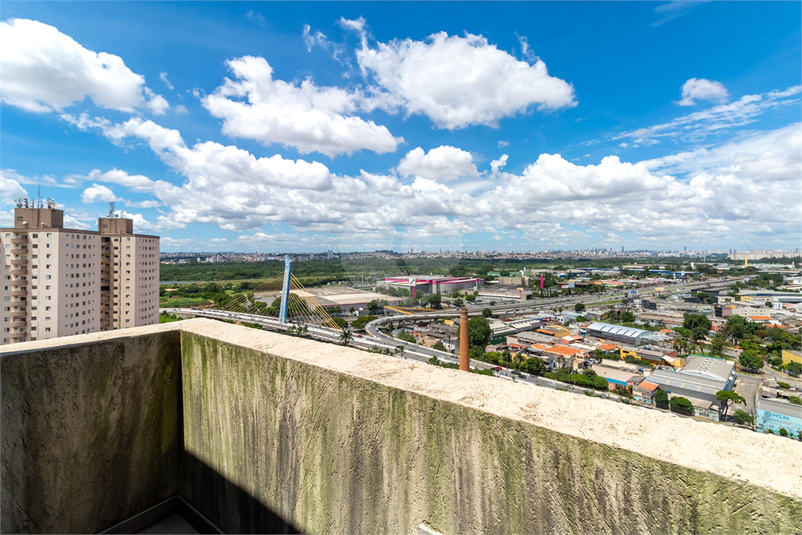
[375, 339]
[411, 351]
[747, 387]
[567, 301]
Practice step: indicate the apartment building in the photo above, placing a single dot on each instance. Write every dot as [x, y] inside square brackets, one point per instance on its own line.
[60, 282]
[129, 275]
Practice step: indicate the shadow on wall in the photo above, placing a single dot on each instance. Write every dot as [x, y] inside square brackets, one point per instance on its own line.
[224, 503]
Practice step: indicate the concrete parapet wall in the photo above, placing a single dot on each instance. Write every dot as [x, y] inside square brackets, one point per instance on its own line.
[335, 440]
[267, 433]
[91, 429]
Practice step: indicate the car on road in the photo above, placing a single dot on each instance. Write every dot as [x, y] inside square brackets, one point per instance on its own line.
[496, 368]
[503, 374]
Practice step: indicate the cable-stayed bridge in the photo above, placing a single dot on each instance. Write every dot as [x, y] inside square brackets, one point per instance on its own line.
[285, 300]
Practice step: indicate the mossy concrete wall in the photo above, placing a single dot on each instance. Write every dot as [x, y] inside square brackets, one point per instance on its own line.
[265, 433]
[91, 430]
[329, 451]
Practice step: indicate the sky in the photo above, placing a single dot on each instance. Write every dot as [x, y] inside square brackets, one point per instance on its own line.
[308, 127]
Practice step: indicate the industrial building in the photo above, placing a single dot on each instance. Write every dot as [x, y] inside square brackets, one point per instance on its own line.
[712, 368]
[619, 333]
[433, 284]
[700, 391]
[790, 355]
[61, 282]
[773, 415]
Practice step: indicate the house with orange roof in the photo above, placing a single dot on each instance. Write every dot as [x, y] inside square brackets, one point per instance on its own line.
[568, 340]
[758, 319]
[644, 392]
[562, 350]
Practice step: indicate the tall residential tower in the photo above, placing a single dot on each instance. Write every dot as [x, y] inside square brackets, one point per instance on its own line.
[59, 282]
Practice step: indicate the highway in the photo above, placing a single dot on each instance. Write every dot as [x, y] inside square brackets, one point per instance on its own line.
[377, 339]
[411, 351]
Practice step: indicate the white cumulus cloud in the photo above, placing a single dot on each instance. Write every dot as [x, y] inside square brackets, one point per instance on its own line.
[10, 189]
[742, 192]
[460, 81]
[498, 165]
[304, 116]
[98, 192]
[700, 89]
[45, 70]
[443, 164]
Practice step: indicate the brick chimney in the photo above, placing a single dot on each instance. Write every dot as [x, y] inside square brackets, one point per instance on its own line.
[464, 353]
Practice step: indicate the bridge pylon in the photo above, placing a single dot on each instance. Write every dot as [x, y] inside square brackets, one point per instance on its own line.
[285, 290]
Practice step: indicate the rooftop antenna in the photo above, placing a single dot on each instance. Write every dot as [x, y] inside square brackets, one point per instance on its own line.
[111, 210]
[20, 201]
[39, 196]
[51, 203]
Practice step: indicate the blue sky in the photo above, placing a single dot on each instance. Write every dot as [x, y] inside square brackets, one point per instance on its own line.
[361, 126]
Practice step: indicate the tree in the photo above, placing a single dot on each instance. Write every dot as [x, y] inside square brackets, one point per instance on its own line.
[717, 345]
[479, 332]
[769, 304]
[487, 313]
[439, 346]
[579, 307]
[742, 417]
[698, 333]
[735, 328]
[783, 432]
[345, 336]
[795, 400]
[407, 337]
[794, 368]
[457, 302]
[750, 360]
[361, 321]
[697, 321]
[399, 350]
[534, 366]
[727, 397]
[432, 300]
[774, 359]
[297, 307]
[434, 360]
[470, 298]
[340, 323]
[661, 399]
[681, 405]
[589, 373]
[627, 317]
[376, 306]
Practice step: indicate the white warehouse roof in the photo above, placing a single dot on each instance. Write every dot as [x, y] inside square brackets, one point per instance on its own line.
[619, 330]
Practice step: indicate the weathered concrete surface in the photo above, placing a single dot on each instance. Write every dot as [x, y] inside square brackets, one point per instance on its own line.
[91, 430]
[334, 440]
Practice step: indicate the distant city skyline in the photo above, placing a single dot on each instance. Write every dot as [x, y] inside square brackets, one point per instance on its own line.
[249, 127]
